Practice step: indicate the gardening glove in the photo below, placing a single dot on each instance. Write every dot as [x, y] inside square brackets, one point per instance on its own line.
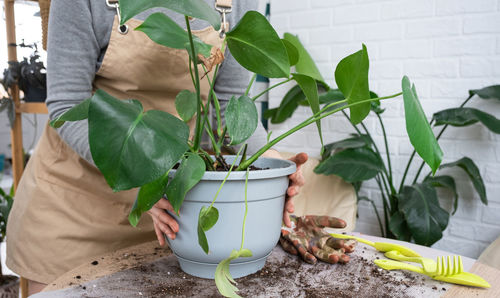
[308, 239]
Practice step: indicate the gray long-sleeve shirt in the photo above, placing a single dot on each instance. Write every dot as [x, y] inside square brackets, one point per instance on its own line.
[79, 33]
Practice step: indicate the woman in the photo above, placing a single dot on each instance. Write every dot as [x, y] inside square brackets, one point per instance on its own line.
[64, 212]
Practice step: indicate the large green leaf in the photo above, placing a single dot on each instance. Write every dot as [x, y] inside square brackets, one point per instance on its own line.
[193, 8]
[356, 141]
[425, 218]
[76, 113]
[149, 194]
[446, 182]
[473, 172]
[310, 89]
[352, 165]
[419, 131]
[305, 65]
[490, 92]
[132, 147]
[257, 47]
[293, 53]
[351, 76]
[465, 117]
[163, 30]
[186, 104]
[399, 227]
[189, 173]
[241, 119]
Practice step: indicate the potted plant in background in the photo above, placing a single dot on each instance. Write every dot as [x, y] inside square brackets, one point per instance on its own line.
[152, 150]
[357, 159]
[9, 284]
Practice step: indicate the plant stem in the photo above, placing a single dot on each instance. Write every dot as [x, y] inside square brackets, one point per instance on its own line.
[386, 148]
[272, 87]
[246, 211]
[376, 213]
[305, 123]
[225, 178]
[250, 84]
[216, 100]
[198, 129]
[437, 139]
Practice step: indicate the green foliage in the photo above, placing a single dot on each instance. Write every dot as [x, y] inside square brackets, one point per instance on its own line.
[207, 218]
[490, 92]
[257, 47]
[444, 181]
[351, 76]
[305, 64]
[419, 130]
[122, 135]
[310, 89]
[79, 112]
[353, 165]
[6, 202]
[424, 217]
[189, 173]
[186, 104]
[466, 117]
[241, 119]
[148, 195]
[163, 30]
[472, 171]
[223, 280]
[291, 50]
[193, 8]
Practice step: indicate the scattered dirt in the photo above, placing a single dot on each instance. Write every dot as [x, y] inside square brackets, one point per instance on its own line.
[282, 276]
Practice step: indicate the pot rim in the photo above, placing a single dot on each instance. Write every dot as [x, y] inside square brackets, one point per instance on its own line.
[278, 168]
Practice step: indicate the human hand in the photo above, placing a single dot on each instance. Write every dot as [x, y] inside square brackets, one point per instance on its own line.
[163, 222]
[308, 239]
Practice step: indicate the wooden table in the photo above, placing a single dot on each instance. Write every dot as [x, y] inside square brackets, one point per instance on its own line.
[147, 270]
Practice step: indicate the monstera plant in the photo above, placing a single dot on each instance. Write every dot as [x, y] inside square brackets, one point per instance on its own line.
[134, 148]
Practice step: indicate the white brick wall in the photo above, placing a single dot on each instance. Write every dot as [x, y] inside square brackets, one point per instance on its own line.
[446, 47]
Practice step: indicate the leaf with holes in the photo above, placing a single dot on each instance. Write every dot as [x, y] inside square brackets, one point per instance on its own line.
[122, 135]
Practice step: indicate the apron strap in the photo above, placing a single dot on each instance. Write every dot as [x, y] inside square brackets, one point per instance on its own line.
[224, 6]
[123, 29]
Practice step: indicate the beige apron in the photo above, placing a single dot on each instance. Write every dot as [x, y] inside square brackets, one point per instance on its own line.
[64, 213]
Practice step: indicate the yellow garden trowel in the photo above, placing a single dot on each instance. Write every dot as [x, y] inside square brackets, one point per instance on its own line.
[380, 246]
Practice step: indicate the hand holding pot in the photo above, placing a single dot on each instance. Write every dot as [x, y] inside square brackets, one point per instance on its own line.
[308, 239]
[163, 222]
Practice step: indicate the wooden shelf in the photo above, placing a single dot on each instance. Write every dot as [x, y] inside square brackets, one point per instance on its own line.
[33, 108]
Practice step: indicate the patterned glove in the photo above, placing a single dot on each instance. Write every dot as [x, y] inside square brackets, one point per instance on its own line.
[307, 238]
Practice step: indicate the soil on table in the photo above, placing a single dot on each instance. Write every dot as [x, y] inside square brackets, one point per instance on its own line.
[284, 275]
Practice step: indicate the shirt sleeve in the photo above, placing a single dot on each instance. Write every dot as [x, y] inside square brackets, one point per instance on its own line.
[72, 55]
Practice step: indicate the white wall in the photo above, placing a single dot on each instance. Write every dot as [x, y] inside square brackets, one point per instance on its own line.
[446, 47]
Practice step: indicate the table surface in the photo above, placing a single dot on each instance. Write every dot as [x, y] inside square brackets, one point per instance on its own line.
[147, 270]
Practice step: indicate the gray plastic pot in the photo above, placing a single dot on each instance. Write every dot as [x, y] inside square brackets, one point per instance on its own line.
[266, 197]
